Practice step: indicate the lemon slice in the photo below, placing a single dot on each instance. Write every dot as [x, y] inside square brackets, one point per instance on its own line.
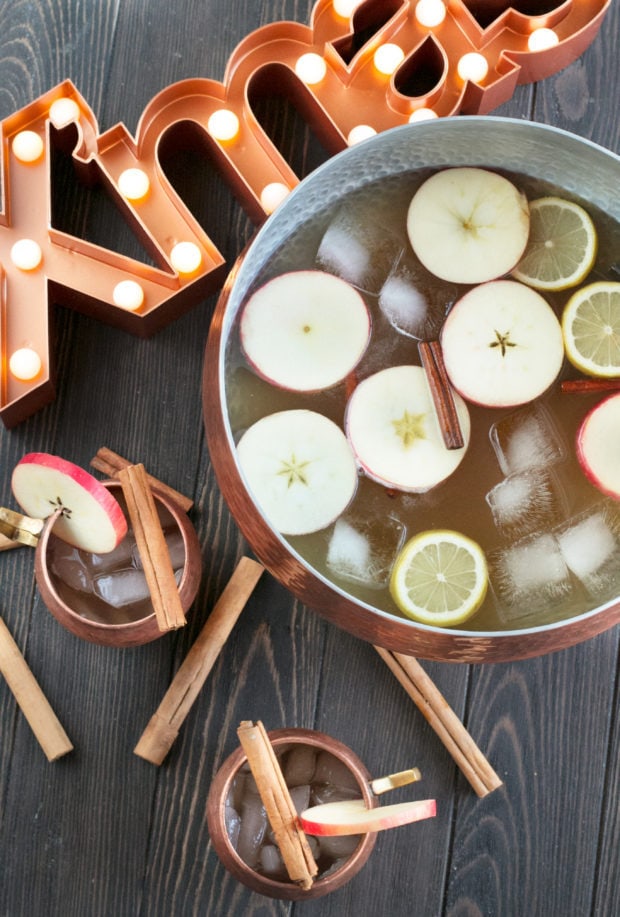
[591, 329]
[440, 577]
[561, 247]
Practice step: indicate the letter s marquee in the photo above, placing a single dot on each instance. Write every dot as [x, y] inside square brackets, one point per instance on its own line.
[332, 69]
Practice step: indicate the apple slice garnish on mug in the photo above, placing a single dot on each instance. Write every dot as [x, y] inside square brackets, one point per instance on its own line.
[89, 517]
[351, 816]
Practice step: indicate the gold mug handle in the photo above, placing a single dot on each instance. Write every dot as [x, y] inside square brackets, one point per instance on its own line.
[17, 529]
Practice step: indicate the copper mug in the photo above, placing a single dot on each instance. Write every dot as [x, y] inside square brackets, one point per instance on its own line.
[282, 739]
[94, 627]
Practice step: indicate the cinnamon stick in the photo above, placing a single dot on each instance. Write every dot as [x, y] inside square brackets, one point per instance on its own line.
[441, 393]
[32, 701]
[152, 547]
[589, 386]
[290, 838]
[440, 716]
[163, 727]
[110, 463]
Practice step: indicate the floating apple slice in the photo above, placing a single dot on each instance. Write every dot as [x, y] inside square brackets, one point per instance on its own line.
[502, 344]
[351, 816]
[300, 469]
[598, 446]
[91, 517]
[392, 427]
[305, 330]
[468, 225]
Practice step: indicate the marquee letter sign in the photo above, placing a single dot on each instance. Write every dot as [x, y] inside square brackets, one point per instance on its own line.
[359, 68]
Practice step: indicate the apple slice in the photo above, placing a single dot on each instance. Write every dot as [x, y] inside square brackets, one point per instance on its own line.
[598, 446]
[91, 518]
[502, 344]
[300, 468]
[305, 330]
[468, 225]
[392, 426]
[351, 816]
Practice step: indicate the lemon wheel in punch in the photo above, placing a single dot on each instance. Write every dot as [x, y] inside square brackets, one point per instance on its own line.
[440, 578]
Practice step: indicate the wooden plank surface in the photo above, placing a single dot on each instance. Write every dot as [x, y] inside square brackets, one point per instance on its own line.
[102, 832]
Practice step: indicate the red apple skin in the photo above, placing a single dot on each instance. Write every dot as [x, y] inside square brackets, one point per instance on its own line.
[379, 819]
[85, 480]
[595, 437]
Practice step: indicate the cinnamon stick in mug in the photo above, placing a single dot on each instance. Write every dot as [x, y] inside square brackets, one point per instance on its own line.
[275, 796]
[152, 547]
[110, 463]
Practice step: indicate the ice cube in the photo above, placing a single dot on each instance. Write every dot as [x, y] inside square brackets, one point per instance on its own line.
[232, 822]
[123, 587]
[67, 563]
[363, 550]
[313, 844]
[359, 252]
[237, 790]
[412, 304]
[300, 796]
[338, 846]
[527, 438]
[530, 577]
[324, 792]
[298, 765]
[527, 501]
[405, 306]
[252, 829]
[176, 549]
[590, 546]
[330, 769]
[271, 862]
[333, 867]
[121, 556]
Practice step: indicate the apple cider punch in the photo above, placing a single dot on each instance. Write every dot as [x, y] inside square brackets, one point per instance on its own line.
[111, 588]
[338, 436]
[313, 777]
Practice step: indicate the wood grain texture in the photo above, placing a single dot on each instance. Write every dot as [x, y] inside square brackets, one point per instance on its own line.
[102, 832]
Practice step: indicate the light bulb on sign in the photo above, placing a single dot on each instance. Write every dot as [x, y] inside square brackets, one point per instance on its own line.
[134, 184]
[223, 124]
[360, 132]
[422, 114]
[473, 67]
[430, 13]
[346, 8]
[185, 257]
[25, 364]
[272, 195]
[388, 57]
[27, 146]
[26, 255]
[63, 112]
[310, 68]
[128, 295]
[542, 39]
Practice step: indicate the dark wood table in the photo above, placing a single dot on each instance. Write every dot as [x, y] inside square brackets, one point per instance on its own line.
[103, 832]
